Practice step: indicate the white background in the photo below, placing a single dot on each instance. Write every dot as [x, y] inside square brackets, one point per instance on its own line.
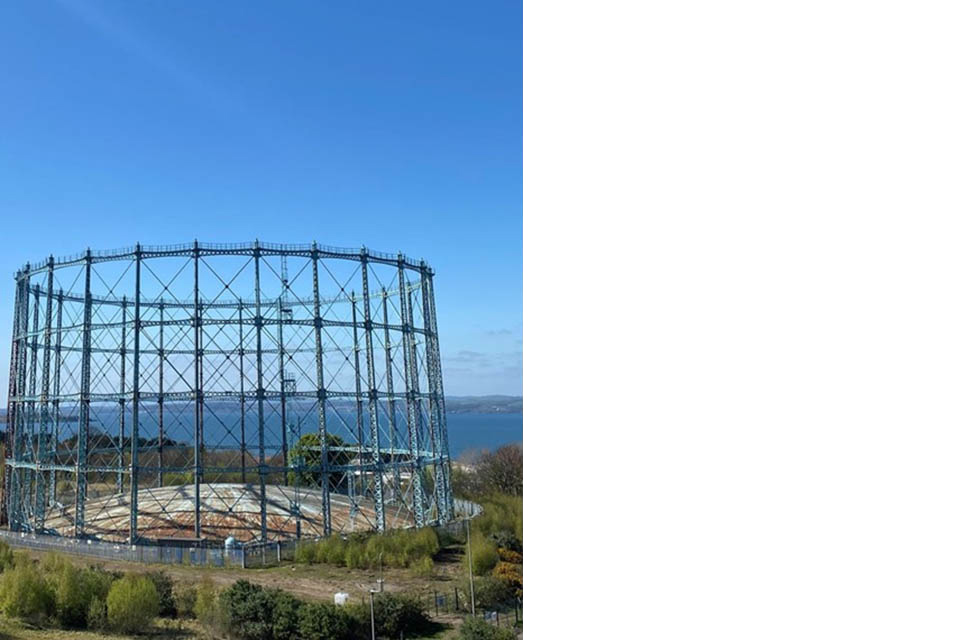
[742, 308]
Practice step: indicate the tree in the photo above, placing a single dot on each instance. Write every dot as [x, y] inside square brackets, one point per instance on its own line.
[497, 472]
[309, 453]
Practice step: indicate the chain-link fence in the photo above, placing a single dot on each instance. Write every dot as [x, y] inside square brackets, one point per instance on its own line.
[196, 556]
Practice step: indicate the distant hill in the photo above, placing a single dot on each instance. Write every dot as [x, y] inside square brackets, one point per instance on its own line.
[455, 404]
[484, 404]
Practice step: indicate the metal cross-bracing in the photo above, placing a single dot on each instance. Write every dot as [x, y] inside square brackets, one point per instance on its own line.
[203, 391]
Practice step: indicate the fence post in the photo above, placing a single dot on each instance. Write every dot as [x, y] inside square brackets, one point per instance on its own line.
[456, 600]
[278, 553]
[436, 604]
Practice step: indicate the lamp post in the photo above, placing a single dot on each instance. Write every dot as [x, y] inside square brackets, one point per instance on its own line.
[373, 629]
[473, 604]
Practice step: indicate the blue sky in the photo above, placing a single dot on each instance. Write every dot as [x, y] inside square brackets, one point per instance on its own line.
[392, 125]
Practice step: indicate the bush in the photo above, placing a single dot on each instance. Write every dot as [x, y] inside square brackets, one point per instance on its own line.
[323, 621]
[208, 609]
[6, 556]
[401, 548]
[305, 553]
[248, 608]
[490, 592]
[132, 603]
[185, 599]
[25, 594]
[286, 610]
[512, 574]
[423, 567]
[485, 556]
[97, 615]
[164, 586]
[74, 590]
[477, 629]
[396, 613]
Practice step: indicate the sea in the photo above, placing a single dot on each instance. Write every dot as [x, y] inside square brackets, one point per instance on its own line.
[467, 432]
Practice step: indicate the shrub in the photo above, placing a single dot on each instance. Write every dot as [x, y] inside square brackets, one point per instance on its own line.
[423, 567]
[501, 513]
[164, 586]
[132, 603]
[394, 549]
[74, 590]
[286, 610]
[477, 629]
[396, 614]
[305, 553]
[185, 599]
[323, 621]
[6, 556]
[485, 556]
[355, 558]
[508, 555]
[490, 592]
[506, 540]
[25, 594]
[207, 607]
[512, 574]
[248, 608]
[331, 551]
[97, 615]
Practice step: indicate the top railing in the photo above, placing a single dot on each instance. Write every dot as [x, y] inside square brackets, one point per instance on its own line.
[224, 248]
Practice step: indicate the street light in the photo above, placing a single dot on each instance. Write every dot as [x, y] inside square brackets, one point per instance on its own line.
[473, 604]
[373, 630]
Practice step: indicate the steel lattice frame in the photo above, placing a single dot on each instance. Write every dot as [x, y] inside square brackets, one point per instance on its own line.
[198, 391]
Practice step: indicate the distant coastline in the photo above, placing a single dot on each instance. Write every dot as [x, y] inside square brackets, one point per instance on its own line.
[454, 404]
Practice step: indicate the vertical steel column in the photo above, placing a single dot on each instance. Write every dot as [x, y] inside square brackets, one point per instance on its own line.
[441, 452]
[410, 386]
[81, 473]
[135, 427]
[359, 397]
[161, 357]
[321, 397]
[58, 350]
[35, 431]
[391, 403]
[415, 377]
[243, 403]
[10, 480]
[372, 399]
[22, 430]
[123, 393]
[258, 321]
[45, 427]
[444, 435]
[197, 391]
[281, 355]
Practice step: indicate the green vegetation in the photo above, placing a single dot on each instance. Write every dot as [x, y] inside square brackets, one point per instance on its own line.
[251, 612]
[308, 452]
[132, 604]
[477, 629]
[185, 599]
[402, 548]
[25, 594]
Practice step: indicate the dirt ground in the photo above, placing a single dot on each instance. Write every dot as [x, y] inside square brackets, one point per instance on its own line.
[310, 582]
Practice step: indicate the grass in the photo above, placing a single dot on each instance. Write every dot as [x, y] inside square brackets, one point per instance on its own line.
[163, 630]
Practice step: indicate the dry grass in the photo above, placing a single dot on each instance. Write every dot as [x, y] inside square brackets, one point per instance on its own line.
[162, 630]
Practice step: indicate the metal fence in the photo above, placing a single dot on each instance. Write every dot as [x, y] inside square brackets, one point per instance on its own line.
[196, 556]
[251, 555]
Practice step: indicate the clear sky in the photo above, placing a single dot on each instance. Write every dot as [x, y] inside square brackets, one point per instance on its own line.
[392, 125]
